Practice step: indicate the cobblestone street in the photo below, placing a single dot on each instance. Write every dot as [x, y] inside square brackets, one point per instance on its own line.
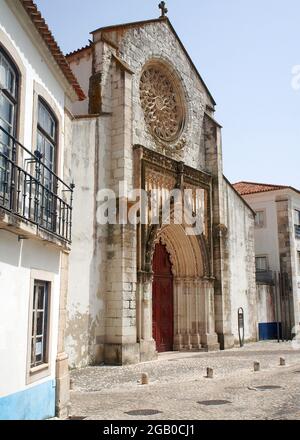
[178, 384]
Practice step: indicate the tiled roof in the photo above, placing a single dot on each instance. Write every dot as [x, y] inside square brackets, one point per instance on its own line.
[245, 188]
[77, 51]
[44, 31]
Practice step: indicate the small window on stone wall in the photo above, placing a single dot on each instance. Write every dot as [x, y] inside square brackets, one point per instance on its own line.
[260, 219]
[261, 264]
[297, 217]
[298, 263]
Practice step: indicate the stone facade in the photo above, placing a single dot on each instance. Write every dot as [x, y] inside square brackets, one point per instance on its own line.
[110, 297]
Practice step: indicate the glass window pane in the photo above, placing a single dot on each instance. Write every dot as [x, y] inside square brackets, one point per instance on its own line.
[41, 297]
[261, 264]
[40, 323]
[33, 323]
[11, 82]
[32, 353]
[46, 121]
[7, 75]
[6, 109]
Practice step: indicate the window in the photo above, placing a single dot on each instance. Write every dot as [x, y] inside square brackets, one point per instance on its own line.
[40, 321]
[46, 135]
[8, 111]
[260, 219]
[261, 264]
[298, 263]
[297, 217]
[47, 145]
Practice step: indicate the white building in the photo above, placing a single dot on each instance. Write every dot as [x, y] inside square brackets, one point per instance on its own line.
[277, 249]
[36, 90]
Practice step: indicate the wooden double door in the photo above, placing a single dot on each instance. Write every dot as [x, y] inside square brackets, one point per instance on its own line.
[162, 300]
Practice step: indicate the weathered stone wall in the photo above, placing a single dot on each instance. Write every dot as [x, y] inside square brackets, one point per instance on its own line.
[286, 244]
[83, 303]
[136, 46]
[266, 307]
[241, 261]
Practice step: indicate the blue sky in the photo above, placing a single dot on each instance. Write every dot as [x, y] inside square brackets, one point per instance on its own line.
[244, 50]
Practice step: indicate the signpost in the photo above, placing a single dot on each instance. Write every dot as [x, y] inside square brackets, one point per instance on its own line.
[241, 324]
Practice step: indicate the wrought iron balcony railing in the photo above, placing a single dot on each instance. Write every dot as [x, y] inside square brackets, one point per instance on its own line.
[33, 192]
[297, 231]
[264, 276]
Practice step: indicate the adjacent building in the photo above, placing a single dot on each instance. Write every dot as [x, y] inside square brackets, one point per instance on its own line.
[277, 250]
[37, 89]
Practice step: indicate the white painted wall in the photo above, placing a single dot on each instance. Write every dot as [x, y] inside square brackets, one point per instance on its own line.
[266, 310]
[17, 259]
[36, 68]
[240, 245]
[266, 238]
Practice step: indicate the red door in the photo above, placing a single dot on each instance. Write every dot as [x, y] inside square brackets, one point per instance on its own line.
[162, 299]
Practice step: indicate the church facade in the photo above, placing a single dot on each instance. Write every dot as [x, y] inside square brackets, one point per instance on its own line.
[139, 288]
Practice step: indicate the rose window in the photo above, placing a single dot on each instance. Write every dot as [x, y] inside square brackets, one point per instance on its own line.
[162, 104]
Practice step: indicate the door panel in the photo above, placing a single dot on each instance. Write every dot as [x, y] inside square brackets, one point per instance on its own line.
[162, 300]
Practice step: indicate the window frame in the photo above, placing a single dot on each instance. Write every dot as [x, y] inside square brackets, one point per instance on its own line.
[264, 224]
[298, 263]
[43, 370]
[45, 326]
[297, 213]
[266, 257]
[39, 128]
[14, 100]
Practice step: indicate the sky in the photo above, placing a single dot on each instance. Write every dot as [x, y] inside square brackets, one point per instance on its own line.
[245, 50]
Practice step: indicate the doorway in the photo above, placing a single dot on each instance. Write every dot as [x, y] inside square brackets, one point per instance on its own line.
[162, 300]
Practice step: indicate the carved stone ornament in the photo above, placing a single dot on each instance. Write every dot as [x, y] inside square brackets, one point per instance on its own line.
[163, 107]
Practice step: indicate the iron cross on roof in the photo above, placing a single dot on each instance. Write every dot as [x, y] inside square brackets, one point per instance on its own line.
[163, 8]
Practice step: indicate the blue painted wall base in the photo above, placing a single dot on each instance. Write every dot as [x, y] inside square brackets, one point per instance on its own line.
[268, 331]
[35, 403]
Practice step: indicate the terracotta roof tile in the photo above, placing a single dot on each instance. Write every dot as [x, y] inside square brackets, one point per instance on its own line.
[44, 31]
[245, 188]
[77, 51]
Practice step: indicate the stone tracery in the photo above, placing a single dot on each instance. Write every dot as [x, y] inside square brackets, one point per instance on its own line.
[162, 104]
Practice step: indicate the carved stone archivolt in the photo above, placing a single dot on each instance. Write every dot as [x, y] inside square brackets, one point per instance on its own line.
[163, 106]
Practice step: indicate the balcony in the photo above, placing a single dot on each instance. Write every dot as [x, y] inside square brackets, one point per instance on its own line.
[297, 231]
[264, 277]
[31, 194]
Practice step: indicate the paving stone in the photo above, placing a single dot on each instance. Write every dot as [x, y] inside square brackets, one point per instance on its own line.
[176, 388]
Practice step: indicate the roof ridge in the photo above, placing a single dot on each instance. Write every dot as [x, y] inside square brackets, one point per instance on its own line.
[247, 188]
[81, 49]
[261, 184]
